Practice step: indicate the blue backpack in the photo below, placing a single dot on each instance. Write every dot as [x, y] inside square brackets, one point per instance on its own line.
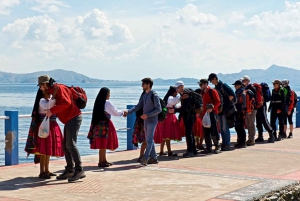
[266, 92]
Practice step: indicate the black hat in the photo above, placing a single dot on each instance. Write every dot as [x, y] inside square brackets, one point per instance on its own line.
[212, 76]
[203, 81]
[238, 82]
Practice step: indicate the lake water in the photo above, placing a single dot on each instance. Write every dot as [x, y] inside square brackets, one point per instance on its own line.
[21, 97]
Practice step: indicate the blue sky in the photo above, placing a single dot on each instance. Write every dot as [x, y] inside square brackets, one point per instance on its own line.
[128, 40]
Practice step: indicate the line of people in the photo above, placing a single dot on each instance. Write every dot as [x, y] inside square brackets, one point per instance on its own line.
[156, 121]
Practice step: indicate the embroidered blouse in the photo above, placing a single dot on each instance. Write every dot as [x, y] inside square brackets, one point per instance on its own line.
[172, 101]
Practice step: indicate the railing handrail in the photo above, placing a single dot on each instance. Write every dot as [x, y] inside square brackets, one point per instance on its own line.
[24, 116]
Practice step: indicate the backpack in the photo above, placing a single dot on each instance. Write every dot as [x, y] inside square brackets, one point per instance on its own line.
[295, 99]
[266, 92]
[259, 97]
[163, 114]
[221, 99]
[79, 96]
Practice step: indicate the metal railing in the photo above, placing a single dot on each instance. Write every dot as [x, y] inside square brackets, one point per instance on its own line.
[11, 130]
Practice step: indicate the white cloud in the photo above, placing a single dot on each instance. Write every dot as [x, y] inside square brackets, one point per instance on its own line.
[49, 6]
[190, 14]
[278, 25]
[6, 5]
[236, 17]
[237, 33]
[93, 52]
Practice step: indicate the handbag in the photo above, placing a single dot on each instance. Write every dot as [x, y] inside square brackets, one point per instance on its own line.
[44, 128]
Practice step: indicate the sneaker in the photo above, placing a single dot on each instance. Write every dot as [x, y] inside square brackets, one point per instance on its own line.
[259, 139]
[65, 175]
[290, 135]
[226, 148]
[240, 146]
[79, 174]
[206, 151]
[143, 162]
[139, 160]
[250, 143]
[153, 161]
[217, 150]
[188, 155]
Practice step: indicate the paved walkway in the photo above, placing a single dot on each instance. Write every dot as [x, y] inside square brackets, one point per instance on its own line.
[234, 175]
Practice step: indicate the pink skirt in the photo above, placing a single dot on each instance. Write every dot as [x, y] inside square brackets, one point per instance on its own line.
[111, 142]
[170, 128]
[53, 144]
[198, 128]
[158, 133]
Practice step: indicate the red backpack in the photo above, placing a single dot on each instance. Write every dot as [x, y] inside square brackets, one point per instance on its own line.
[79, 96]
[259, 96]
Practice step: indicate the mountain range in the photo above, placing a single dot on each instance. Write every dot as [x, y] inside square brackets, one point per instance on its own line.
[63, 76]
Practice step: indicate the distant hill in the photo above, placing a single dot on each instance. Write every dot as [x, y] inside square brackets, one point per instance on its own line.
[63, 76]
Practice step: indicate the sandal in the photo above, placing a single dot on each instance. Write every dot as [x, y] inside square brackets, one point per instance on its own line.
[110, 164]
[103, 165]
[172, 154]
[51, 174]
[44, 176]
[162, 154]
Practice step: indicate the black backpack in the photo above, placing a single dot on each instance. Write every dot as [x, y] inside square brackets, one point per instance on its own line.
[221, 98]
[266, 92]
[195, 100]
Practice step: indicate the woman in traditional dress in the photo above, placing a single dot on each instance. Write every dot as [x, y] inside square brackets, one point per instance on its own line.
[169, 129]
[102, 134]
[43, 148]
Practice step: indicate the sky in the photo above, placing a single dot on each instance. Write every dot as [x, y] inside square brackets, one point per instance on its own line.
[132, 39]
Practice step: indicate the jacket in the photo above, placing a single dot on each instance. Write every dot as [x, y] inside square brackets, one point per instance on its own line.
[207, 100]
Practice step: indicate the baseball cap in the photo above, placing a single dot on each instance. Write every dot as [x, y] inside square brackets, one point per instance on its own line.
[276, 81]
[285, 81]
[203, 81]
[212, 76]
[43, 79]
[238, 82]
[179, 83]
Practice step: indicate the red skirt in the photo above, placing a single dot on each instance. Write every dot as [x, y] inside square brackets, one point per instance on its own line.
[170, 128]
[198, 128]
[158, 133]
[53, 144]
[111, 142]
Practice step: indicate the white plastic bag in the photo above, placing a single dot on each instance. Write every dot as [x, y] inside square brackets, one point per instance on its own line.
[44, 128]
[206, 120]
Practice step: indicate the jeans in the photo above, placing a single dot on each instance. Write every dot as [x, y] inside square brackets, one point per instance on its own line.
[250, 122]
[189, 123]
[239, 127]
[211, 132]
[69, 144]
[150, 127]
[261, 119]
[224, 129]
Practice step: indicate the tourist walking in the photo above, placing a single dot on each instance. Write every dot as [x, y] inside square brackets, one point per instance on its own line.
[44, 147]
[151, 108]
[210, 106]
[188, 115]
[228, 109]
[289, 105]
[70, 115]
[277, 108]
[102, 133]
[241, 106]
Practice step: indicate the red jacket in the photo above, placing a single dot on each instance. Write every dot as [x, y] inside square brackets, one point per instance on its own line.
[65, 108]
[292, 97]
[207, 100]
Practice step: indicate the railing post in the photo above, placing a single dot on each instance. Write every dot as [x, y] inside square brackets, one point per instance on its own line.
[130, 123]
[298, 115]
[11, 134]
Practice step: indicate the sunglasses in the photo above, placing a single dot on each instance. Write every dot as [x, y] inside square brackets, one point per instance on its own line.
[200, 84]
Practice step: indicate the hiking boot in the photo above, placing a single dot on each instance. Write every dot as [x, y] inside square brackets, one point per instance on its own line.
[225, 148]
[139, 160]
[290, 135]
[144, 161]
[260, 139]
[217, 149]
[153, 161]
[283, 135]
[188, 155]
[240, 146]
[65, 175]
[250, 143]
[206, 151]
[279, 138]
[271, 139]
[79, 174]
